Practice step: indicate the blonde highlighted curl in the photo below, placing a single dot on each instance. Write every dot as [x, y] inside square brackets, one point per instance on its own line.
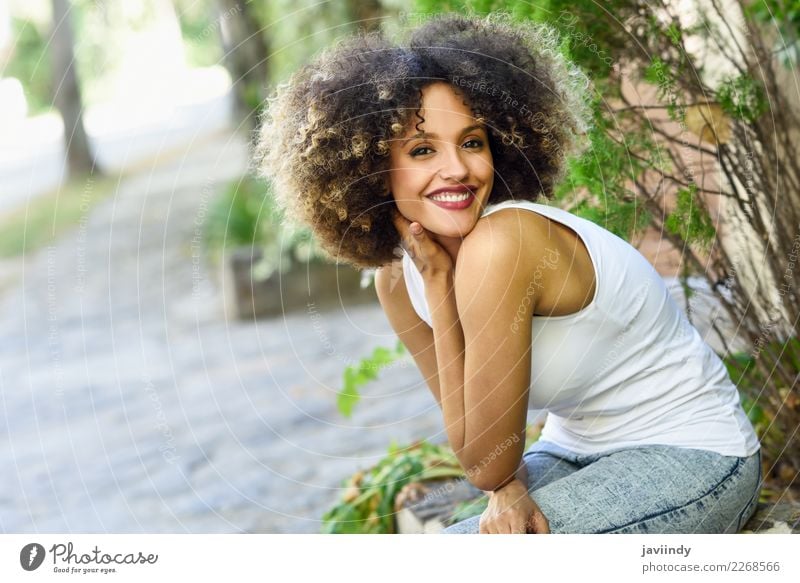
[324, 135]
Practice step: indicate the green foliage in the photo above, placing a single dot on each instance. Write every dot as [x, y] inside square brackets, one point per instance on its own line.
[299, 29]
[760, 405]
[742, 98]
[623, 218]
[199, 31]
[367, 370]
[605, 170]
[689, 220]
[367, 505]
[785, 16]
[673, 31]
[98, 51]
[657, 73]
[784, 12]
[583, 37]
[237, 217]
[664, 78]
[245, 215]
[586, 33]
[30, 63]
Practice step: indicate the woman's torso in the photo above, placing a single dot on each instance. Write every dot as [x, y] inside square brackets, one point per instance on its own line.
[614, 360]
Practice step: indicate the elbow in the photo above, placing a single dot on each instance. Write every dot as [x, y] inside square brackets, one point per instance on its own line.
[489, 474]
[490, 468]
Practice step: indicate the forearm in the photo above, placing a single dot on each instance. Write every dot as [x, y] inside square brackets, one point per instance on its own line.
[449, 345]
[476, 454]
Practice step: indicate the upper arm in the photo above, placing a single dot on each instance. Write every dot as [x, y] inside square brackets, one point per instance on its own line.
[495, 300]
[414, 332]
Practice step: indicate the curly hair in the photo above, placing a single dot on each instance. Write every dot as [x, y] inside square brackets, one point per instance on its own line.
[324, 135]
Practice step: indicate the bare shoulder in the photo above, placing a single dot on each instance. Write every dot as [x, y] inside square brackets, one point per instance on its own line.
[545, 251]
[508, 232]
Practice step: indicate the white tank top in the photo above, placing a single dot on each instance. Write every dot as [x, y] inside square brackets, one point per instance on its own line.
[629, 368]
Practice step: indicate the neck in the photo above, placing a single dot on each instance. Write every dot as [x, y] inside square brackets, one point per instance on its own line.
[449, 244]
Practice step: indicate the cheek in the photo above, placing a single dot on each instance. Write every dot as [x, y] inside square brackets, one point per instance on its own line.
[406, 183]
[487, 165]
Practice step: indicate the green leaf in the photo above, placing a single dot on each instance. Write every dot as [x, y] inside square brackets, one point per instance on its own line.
[689, 220]
[742, 98]
[348, 396]
[365, 371]
[674, 33]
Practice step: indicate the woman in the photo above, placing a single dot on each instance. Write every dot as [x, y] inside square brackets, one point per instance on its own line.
[438, 148]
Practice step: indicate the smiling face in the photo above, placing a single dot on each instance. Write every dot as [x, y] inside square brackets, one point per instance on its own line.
[453, 154]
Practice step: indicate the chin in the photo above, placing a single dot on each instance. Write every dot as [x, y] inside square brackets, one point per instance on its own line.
[453, 231]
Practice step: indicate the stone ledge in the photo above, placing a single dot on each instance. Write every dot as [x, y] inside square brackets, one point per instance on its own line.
[432, 503]
[319, 286]
[780, 518]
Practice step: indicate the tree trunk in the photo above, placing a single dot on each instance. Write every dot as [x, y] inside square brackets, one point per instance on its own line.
[246, 56]
[66, 91]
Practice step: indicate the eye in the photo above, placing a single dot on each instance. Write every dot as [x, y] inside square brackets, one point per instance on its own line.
[418, 151]
[477, 141]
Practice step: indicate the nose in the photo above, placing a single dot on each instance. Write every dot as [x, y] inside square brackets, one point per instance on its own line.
[453, 167]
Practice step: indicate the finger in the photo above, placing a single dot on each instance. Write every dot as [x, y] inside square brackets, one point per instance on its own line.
[519, 528]
[490, 526]
[401, 223]
[515, 527]
[538, 523]
[407, 237]
[482, 527]
[419, 240]
[409, 251]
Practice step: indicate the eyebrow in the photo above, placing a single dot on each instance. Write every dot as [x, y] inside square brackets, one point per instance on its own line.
[432, 135]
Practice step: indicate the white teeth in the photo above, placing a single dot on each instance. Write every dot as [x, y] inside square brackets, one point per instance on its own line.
[451, 197]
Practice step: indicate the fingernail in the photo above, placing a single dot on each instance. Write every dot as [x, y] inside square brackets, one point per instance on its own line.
[416, 228]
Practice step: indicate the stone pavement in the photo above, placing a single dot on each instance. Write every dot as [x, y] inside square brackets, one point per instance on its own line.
[129, 403]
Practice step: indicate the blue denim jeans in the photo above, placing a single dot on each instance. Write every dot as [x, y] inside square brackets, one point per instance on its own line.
[643, 489]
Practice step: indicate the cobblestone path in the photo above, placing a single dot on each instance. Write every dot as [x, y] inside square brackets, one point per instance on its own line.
[129, 403]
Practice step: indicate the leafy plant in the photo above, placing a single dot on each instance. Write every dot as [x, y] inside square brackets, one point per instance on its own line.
[690, 220]
[773, 413]
[199, 31]
[741, 97]
[365, 371]
[30, 63]
[784, 15]
[367, 504]
[245, 215]
[237, 217]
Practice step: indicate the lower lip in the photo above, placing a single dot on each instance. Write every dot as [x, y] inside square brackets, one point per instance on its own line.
[452, 205]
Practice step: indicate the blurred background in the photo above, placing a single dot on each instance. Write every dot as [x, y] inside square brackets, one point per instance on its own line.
[175, 358]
